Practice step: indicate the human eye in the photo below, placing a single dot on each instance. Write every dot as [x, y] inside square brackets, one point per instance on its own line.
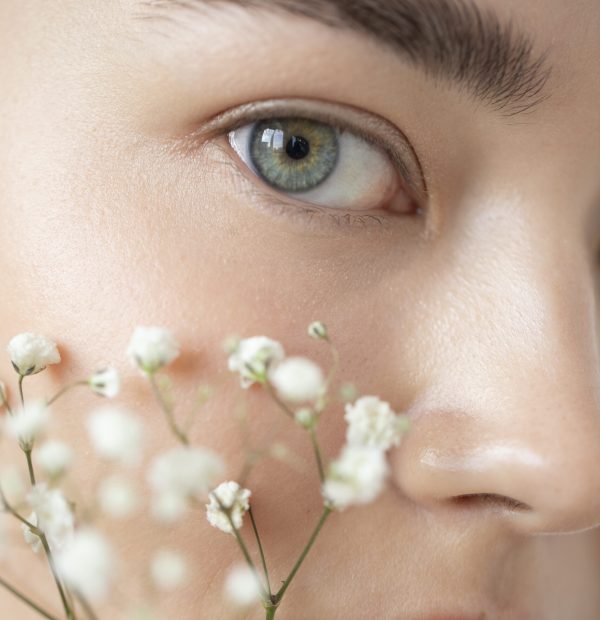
[317, 158]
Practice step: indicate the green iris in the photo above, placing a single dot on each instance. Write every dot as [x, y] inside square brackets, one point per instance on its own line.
[294, 154]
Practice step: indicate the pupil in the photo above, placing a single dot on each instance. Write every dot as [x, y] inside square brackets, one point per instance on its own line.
[297, 147]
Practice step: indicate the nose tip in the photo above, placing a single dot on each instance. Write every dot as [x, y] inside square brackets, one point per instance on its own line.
[546, 486]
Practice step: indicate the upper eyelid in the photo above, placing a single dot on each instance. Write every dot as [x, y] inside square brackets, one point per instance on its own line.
[369, 126]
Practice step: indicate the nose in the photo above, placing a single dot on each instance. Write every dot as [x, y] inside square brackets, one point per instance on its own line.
[507, 415]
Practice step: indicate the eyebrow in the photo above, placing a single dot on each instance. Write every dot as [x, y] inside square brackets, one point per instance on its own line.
[451, 40]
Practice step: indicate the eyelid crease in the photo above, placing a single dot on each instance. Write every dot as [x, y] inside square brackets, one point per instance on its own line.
[367, 125]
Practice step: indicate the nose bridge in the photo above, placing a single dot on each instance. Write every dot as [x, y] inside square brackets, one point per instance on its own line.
[511, 404]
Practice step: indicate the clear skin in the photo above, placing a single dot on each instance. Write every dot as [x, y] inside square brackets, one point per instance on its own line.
[479, 319]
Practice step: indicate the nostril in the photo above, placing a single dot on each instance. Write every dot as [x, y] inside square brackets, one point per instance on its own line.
[490, 500]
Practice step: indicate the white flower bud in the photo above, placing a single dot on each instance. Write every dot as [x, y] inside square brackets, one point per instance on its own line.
[168, 507]
[52, 514]
[117, 497]
[253, 356]
[87, 564]
[371, 422]
[151, 348]
[106, 382]
[168, 569]
[185, 471]
[297, 379]
[318, 330]
[116, 434]
[27, 423]
[242, 587]
[234, 500]
[54, 457]
[30, 353]
[356, 477]
[306, 417]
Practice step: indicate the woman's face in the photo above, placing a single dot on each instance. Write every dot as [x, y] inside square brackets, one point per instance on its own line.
[475, 313]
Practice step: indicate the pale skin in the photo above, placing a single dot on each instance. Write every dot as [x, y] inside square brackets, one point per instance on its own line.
[478, 319]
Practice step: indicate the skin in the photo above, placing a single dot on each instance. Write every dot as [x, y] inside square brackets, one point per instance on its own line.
[478, 319]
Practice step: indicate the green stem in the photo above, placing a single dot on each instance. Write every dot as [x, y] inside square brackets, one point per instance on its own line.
[27, 600]
[315, 444]
[21, 389]
[270, 612]
[183, 438]
[262, 555]
[63, 598]
[64, 389]
[30, 465]
[309, 544]
[40, 534]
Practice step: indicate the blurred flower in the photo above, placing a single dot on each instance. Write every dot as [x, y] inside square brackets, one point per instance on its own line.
[54, 457]
[297, 379]
[306, 417]
[30, 353]
[168, 569]
[27, 422]
[116, 434]
[318, 330]
[371, 422]
[151, 348]
[252, 357]
[106, 382]
[167, 507]
[12, 483]
[86, 564]
[234, 499]
[242, 587]
[52, 514]
[117, 497]
[356, 477]
[185, 471]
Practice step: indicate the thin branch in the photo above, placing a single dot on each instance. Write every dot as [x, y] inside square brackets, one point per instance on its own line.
[183, 438]
[309, 544]
[27, 600]
[260, 548]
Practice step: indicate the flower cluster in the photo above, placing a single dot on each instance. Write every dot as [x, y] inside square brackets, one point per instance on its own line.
[357, 476]
[84, 562]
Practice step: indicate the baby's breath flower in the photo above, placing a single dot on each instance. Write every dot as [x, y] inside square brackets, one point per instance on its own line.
[106, 382]
[117, 497]
[12, 484]
[168, 569]
[253, 356]
[151, 348]
[30, 353]
[116, 434]
[54, 457]
[52, 514]
[87, 564]
[306, 417]
[348, 391]
[297, 379]
[28, 422]
[371, 422]
[167, 507]
[234, 500]
[356, 477]
[241, 586]
[318, 330]
[185, 471]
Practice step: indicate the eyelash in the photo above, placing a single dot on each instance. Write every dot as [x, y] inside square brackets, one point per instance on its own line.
[286, 206]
